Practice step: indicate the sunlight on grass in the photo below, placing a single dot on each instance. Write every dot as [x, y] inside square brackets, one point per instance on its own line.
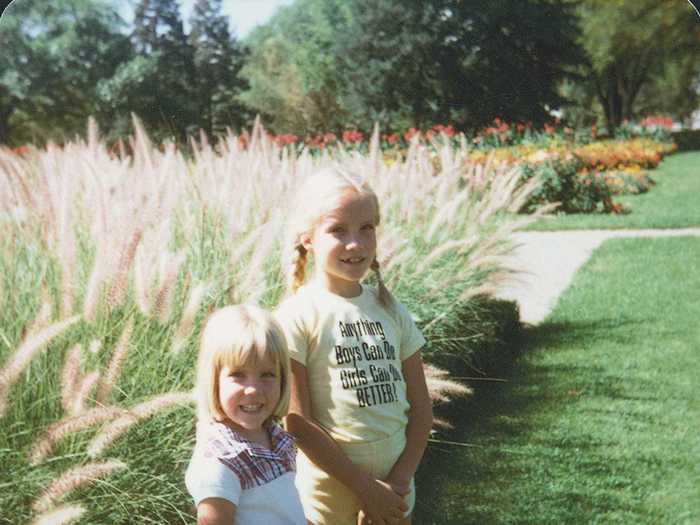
[599, 422]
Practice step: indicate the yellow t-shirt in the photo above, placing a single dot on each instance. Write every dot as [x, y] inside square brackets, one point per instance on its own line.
[352, 349]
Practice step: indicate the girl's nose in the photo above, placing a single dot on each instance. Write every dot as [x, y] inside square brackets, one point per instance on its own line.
[251, 387]
[352, 242]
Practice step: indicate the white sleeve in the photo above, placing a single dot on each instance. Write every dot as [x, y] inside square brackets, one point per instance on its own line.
[209, 478]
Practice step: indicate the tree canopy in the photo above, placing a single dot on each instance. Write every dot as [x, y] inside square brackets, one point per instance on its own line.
[328, 65]
[54, 55]
[409, 62]
[643, 56]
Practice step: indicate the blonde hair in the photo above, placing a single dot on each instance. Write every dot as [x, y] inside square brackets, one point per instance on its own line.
[232, 337]
[318, 195]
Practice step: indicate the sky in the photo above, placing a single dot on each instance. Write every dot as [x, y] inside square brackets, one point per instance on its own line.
[244, 15]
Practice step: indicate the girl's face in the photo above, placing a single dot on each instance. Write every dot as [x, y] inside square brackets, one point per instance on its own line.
[249, 396]
[344, 244]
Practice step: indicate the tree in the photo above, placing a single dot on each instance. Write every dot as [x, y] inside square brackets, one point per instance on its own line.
[410, 62]
[643, 55]
[60, 50]
[218, 59]
[458, 60]
[292, 71]
[158, 82]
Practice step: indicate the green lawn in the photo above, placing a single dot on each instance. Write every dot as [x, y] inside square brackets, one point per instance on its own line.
[599, 420]
[674, 202]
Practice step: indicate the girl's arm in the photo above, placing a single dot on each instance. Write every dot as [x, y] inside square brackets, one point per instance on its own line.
[378, 500]
[420, 421]
[215, 511]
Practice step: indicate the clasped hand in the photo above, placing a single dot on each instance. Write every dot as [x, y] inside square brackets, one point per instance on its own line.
[383, 502]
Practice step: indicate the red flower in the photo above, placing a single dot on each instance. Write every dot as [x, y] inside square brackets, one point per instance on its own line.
[658, 121]
[21, 150]
[352, 136]
[448, 131]
[284, 140]
[410, 133]
[391, 139]
[501, 127]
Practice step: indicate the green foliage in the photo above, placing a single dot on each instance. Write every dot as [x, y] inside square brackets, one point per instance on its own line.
[293, 68]
[156, 83]
[562, 182]
[130, 89]
[479, 338]
[687, 140]
[329, 65]
[218, 59]
[671, 204]
[628, 130]
[466, 62]
[624, 183]
[643, 57]
[59, 51]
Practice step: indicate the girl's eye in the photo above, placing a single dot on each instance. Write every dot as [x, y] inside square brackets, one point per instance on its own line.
[368, 227]
[269, 374]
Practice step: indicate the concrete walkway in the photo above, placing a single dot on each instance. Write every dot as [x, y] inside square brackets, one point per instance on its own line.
[548, 261]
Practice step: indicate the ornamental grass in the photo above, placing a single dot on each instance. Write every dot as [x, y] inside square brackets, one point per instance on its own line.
[111, 258]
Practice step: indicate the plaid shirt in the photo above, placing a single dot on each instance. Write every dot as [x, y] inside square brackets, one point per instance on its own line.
[253, 465]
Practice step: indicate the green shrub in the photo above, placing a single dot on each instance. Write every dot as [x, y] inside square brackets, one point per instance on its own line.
[561, 182]
[624, 183]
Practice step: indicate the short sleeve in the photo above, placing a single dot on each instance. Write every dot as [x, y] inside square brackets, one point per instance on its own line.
[289, 317]
[412, 338]
[209, 478]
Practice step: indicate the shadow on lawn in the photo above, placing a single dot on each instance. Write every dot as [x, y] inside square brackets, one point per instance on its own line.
[497, 415]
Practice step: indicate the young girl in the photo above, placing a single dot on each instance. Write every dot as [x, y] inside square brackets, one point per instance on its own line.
[359, 407]
[243, 465]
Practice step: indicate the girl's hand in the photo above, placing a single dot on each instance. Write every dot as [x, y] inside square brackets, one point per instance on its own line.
[380, 504]
[362, 518]
[399, 484]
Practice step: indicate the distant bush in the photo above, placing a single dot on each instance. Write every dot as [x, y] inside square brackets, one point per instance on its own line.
[562, 182]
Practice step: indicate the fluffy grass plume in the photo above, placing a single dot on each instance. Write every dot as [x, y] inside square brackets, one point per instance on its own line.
[68, 426]
[63, 515]
[69, 376]
[135, 415]
[72, 479]
[111, 374]
[32, 345]
[83, 391]
[441, 387]
[184, 327]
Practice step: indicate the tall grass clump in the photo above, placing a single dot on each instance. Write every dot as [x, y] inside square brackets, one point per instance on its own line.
[111, 258]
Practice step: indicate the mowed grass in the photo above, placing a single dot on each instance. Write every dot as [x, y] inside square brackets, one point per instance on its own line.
[599, 420]
[674, 202]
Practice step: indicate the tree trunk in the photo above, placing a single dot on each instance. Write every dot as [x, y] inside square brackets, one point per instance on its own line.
[5, 114]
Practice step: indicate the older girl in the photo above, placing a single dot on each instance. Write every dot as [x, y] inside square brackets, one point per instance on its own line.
[360, 409]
